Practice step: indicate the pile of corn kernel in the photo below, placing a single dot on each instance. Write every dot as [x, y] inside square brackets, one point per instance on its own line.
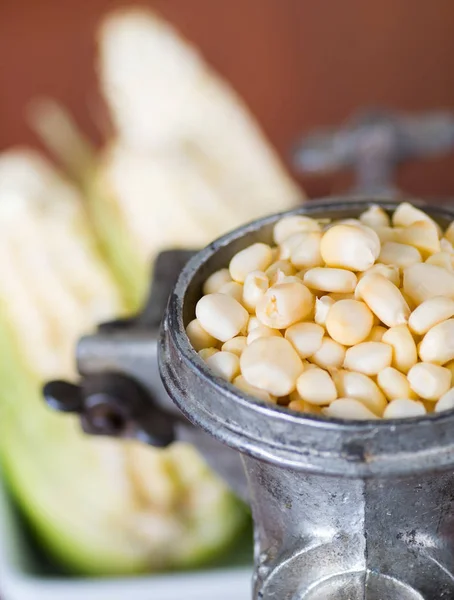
[350, 319]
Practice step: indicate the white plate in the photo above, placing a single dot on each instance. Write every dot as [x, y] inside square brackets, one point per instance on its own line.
[20, 579]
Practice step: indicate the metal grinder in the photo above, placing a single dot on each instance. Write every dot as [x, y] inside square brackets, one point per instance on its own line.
[343, 510]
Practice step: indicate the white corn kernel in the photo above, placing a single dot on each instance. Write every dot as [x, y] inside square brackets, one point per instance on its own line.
[307, 253]
[350, 247]
[384, 299]
[387, 234]
[441, 259]
[424, 281]
[437, 346]
[316, 387]
[358, 386]
[288, 226]
[255, 285]
[348, 408]
[241, 383]
[271, 364]
[446, 246]
[401, 255]
[205, 353]
[423, 235]
[330, 355]
[368, 357]
[322, 306]
[304, 407]
[394, 384]
[429, 381]
[278, 268]
[224, 364]
[450, 365]
[374, 217]
[284, 304]
[403, 408]
[233, 289]
[330, 280]
[198, 337]
[221, 316]
[449, 233]
[446, 402]
[256, 257]
[429, 313]
[252, 324]
[405, 353]
[406, 214]
[236, 345]
[306, 338]
[262, 331]
[376, 333]
[288, 245]
[337, 296]
[391, 272]
[216, 280]
[349, 322]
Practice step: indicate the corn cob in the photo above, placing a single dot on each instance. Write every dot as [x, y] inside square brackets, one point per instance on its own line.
[100, 506]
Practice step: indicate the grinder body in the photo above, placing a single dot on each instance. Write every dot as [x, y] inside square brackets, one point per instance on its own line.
[343, 510]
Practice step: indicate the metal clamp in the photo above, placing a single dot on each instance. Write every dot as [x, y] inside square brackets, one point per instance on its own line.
[120, 392]
[374, 143]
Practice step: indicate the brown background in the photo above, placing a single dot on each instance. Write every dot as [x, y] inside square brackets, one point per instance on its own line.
[298, 63]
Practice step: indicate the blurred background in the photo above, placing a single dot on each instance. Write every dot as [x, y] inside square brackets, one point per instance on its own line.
[297, 64]
[169, 158]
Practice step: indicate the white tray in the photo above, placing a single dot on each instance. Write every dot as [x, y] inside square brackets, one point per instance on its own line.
[20, 579]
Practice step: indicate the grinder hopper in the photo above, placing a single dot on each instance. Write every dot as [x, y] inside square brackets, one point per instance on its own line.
[342, 510]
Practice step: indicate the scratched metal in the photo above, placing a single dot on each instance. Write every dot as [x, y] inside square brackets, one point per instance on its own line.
[342, 510]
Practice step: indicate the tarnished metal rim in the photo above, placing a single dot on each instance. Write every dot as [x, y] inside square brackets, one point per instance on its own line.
[278, 435]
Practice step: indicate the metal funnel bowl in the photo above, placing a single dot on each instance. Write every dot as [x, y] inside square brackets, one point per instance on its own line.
[343, 510]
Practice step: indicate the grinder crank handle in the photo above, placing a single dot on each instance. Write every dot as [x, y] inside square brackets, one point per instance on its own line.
[374, 143]
[120, 392]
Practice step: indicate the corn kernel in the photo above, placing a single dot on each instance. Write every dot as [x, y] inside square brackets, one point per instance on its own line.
[394, 384]
[256, 257]
[429, 313]
[221, 316]
[234, 289]
[306, 338]
[322, 306]
[424, 281]
[255, 286]
[400, 255]
[304, 407]
[441, 259]
[446, 402]
[358, 386]
[391, 272]
[429, 381]
[374, 217]
[330, 280]
[205, 353]
[307, 253]
[368, 357]
[349, 322]
[278, 268]
[437, 346]
[198, 337]
[423, 235]
[405, 353]
[316, 387]
[350, 247]
[236, 345]
[384, 299]
[376, 333]
[224, 364]
[288, 226]
[262, 331]
[284, 304]
[348, 408]
[330, 355]
[216, 280]
[241, 383]
[271, 364]
[403, 408]
[406, 214]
